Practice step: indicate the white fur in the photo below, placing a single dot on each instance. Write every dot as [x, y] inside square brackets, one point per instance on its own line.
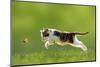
[51, 39]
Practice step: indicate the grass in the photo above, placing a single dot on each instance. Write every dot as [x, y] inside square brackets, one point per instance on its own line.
[54, 56]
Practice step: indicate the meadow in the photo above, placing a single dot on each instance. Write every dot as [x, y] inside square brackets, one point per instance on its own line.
[28, 18]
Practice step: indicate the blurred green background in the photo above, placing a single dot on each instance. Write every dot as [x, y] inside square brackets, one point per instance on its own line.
[28, 18]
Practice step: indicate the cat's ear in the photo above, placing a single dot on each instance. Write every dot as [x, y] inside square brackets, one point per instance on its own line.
[45, 29]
